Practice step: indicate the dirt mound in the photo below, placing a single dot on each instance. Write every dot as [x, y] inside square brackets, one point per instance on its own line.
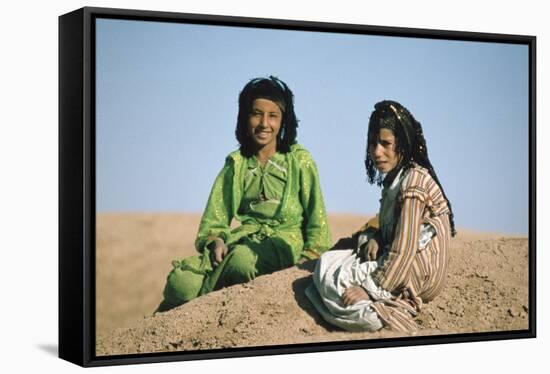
[487, 290]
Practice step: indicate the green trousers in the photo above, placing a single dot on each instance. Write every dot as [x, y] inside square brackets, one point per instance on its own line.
[195, 276]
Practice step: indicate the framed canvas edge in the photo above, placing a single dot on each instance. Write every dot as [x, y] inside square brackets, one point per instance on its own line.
[532, 185]
[308, 348]
[71, 303]
[273, 23]
[77, 196]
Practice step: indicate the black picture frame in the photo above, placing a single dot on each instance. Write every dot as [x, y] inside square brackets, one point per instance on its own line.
[77, 184]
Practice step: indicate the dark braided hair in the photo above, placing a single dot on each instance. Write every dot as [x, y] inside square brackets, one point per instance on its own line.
[273, 89]
[410, 143]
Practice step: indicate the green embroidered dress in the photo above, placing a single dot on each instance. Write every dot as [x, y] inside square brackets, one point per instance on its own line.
[282, 218]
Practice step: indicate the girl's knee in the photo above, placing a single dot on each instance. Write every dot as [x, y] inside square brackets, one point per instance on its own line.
[182, 286]
[241, 264]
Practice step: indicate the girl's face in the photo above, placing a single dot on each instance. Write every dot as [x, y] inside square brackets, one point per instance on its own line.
[383, 151]
[264, 122]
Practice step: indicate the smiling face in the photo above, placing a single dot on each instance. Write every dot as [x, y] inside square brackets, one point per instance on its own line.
[383, 151]
[264, 123]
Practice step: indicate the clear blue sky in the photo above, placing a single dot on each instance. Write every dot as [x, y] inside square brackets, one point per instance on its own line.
[167, 107]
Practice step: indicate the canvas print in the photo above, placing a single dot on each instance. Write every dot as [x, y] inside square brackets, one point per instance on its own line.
[264, 187]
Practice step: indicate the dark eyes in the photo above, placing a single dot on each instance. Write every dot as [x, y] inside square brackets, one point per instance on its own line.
[383, 143]
[259, 114]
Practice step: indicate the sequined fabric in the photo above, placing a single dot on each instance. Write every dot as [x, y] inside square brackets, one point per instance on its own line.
[281, 200]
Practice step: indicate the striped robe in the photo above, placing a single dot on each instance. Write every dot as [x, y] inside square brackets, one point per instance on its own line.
[414, 276]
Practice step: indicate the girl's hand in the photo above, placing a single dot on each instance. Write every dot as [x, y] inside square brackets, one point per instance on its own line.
[220, 251]
[372, 250]
[369, 252]
[353, 295]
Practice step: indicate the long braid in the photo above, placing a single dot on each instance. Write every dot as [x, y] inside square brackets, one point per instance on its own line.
[420, 155]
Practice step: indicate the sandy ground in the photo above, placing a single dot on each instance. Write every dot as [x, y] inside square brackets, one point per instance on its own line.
[487, 290]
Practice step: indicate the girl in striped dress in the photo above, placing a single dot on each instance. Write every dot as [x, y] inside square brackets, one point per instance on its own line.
[381, 276]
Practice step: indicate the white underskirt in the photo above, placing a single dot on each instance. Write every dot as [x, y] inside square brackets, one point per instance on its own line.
[336, 271]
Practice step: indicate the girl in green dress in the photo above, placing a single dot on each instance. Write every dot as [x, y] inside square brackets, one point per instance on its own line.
[270, 185]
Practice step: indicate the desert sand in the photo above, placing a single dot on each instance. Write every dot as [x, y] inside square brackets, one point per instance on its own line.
[487, 290]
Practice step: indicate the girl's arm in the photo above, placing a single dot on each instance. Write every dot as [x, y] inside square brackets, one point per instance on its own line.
[395, 272]
[317, 236]
[217, 216]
